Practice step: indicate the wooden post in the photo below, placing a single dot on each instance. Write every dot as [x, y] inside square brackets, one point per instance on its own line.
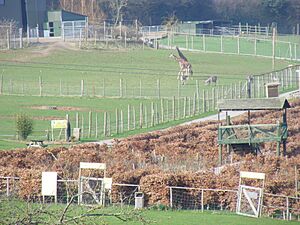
[82, 88]
[90, 124]
[105, 124]
[21, 37]
[178, 113]
[134, 118]
[273, 48]
[178, 89]
[186, 42]
[77, 120]
[82, 125]
[255, 46]
[222, 50]
[121, 121]
[41, 85]
[204, 102]
[140, 88]
[121, 88]
[173, 108]
[141, 115]
[158, 88]
[152, 114]
[238, 44]
[189, 108]
[162, 110]
[184, 107]
[128, 117]
[146, 116]
[103, 87]
[194, 104]
[96, 126]
[8, 39]
[213, 96]
[1, 83]
[117, 122]
[203, 41]
[220, 155]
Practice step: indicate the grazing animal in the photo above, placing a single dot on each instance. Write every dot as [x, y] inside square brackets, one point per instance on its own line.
[185, 67]
[211, 79]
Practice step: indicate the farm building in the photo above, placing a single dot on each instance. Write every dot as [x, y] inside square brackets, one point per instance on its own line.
[64, 23]
[203, 27]
[25, 12]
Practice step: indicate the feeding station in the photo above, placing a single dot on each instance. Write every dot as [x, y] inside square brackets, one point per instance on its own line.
[246, 138]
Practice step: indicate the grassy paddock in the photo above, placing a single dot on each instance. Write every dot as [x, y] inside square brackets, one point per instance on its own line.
[102, 70]
[12, 211]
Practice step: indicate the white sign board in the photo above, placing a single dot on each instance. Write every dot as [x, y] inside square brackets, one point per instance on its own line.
[95, 166]
[59, 124]
[49, 183]
[107, 183]
[252, 175]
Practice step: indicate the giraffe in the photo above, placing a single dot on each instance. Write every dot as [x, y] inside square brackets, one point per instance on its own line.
[185, 67]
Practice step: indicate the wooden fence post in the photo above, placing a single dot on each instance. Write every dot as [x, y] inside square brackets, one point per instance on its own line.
[203, 43]
[105, 124]
[140, 88]
[141, 115]
[82, 88]
[162, 110]
[194, 104]
[152, 114]
[82, 125]
[184, 107]
[158, 88]
[128, 117]
[146, 115]
[41, 85]
[117, 122]
[173, 108]
[204, 102]
[96, 125]
[134, 118]
[121, 88]
[1, 84]
[77, 120]
[90, 124]
[189, 109]
[121, 121]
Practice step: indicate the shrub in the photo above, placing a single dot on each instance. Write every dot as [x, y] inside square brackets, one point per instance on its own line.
[24, 125]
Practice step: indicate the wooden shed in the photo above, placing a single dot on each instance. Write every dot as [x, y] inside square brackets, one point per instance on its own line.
[250, 136]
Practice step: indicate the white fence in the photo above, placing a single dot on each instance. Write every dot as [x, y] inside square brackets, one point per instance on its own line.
[275, 206]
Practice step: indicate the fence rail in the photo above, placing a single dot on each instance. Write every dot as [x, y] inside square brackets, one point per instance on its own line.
[283, 207]
[157, 106]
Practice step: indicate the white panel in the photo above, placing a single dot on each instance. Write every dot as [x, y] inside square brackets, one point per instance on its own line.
[49, 183]
[252, 175]
[99, 166]
[107, 183]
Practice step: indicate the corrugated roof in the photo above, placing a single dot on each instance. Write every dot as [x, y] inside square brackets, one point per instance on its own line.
[253, 104]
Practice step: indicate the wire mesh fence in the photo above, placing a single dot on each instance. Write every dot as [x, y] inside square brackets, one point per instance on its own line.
[275, 206]
[181, 198]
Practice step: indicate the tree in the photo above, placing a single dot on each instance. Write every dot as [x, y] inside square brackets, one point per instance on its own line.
[24, 126]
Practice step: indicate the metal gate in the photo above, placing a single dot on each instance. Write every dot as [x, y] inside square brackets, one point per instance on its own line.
[249, 201]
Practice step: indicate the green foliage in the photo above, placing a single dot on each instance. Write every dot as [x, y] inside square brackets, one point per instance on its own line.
[24, 125]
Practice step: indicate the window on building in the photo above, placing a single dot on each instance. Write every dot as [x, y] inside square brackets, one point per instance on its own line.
[2, 2]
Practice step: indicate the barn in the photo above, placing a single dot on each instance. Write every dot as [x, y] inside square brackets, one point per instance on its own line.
[65, 24]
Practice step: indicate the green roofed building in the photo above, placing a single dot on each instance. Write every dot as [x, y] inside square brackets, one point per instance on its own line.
[65, 24]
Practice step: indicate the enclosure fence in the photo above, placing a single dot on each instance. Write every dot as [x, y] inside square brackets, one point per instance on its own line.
[157, 106]
[275, 206]
[180, 198]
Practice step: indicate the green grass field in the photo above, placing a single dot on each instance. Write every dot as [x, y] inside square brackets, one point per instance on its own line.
[12, 211]
[286, 47]
[63, 69]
